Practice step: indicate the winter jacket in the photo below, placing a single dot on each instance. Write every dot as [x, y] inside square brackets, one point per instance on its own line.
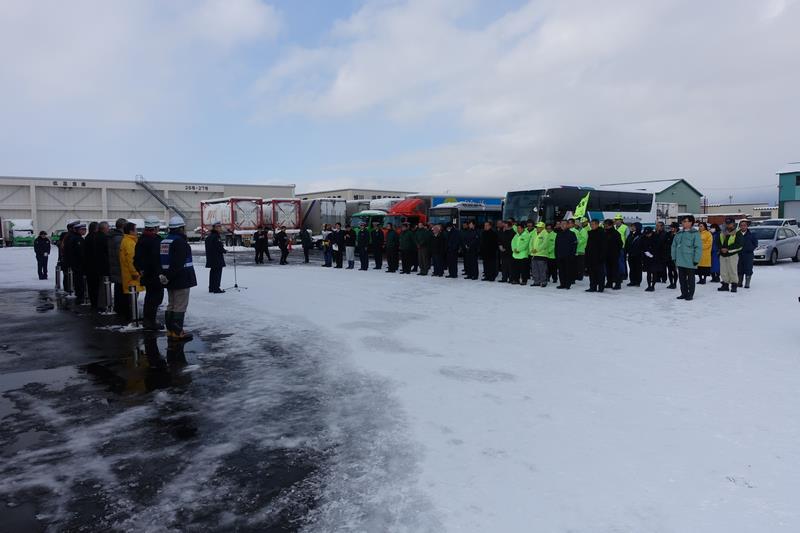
[653, 258]
[749, 242]
[127, 251]
[282, 240]
[423, 238]
[392, 241]
[470, 241]
[551, 244]
[407, 241]
[41, 246]
[337, 238]
[376, 237]
[363, 239]
[504, 240]
[707, 241]
[539, 244]
[147, 258]
[633, 244]
[670, 238]
[305, 239]
[261, 239]
[566, 244]
[439, 245]
[731, 242]
[624, 233]
[613, 243]
[215, 251]
[176, 262]
[114, 241]
[687, 248]
[101, 254]
[521, 246]
[582, 235]
[453, 241]
[89, 263]
[488, 244]
[74, 248]
[715, 267]
[596, 247]
[349, 238]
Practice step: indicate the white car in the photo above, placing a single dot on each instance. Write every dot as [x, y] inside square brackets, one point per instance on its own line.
[776, 243]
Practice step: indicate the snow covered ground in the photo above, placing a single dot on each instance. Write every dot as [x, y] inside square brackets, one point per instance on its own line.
[473, 406]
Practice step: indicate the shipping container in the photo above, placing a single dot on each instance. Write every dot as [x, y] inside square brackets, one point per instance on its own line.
[356, 206]
[321, 211]
[277, 212]
[240, 217]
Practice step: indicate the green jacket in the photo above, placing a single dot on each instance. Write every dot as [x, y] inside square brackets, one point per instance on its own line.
[392, 241]
[520, 245]
[687, 248]
[551, 244]
[623, 232]
[407, 241]
[540, 244]
[583, 237]
[423, 238]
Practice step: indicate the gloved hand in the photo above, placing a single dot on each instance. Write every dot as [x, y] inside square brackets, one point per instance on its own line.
[46, 254]
[163, 279]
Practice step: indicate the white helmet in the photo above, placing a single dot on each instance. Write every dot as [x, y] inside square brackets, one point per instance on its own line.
[151, 222]
[176, 222]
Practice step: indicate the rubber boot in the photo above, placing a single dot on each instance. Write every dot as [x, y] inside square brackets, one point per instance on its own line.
[617, 286]
[180, 334]
[734, 287]
[169, 324]
[740, 280]
[351, 265]
[724, 287]
[747, 281]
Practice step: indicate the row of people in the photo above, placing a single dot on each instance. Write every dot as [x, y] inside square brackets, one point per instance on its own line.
[132, 262]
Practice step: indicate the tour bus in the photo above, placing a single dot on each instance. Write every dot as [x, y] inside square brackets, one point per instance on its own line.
[457, 213]
[554, 203]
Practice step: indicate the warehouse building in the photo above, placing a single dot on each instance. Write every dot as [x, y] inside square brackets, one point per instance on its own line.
[789, 191]
[672, 191]
[758, 211]
[354, 194]
[51, 202]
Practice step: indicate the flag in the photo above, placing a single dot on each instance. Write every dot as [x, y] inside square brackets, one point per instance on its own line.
[581, 209]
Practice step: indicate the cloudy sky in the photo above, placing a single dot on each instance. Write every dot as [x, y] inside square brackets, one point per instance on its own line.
[474, 96]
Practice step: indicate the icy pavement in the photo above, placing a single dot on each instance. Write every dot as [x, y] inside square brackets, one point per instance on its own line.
[334, 400]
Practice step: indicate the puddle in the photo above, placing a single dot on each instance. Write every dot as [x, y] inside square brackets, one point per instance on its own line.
[54, 378]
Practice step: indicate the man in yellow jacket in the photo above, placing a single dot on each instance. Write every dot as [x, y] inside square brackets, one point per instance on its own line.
[520, 250]
[128, 272]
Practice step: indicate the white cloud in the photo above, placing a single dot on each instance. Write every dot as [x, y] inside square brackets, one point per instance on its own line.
[576, 91]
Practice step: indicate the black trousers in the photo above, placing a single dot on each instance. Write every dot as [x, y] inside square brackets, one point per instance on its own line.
[686, 278]
[635, 270]
[506, 263]
[305, 253]
[337, 258]
[672, 272]
[93, 286]
[77, 279]
[596, 276]
[153, 296]
[471, 264]
[580, 267]
[522, 270]
[392, 260]
[121, 306]
[363, 256]
[552, 269]
[490, 268]
[284, 255]
[566, 265]
[612, 271]
[408, 260]
[378, 256]
[214, 278]
[41, 266]
[438, 264]
[452, 264]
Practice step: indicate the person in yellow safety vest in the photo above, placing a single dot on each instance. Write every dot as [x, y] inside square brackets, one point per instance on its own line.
[552, 267]
[582, 234]
[520, 249]
[539, 251]
[623, 230]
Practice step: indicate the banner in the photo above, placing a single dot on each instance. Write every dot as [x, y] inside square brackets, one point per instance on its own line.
[580, 210]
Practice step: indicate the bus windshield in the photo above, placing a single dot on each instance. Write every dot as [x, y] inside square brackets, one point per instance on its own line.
[522, 205]
[442, 216]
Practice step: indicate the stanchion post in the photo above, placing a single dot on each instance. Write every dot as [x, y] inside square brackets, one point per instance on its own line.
[109, 296]
[58, 276]
[86, 299]
[69, 282]
[134, 304]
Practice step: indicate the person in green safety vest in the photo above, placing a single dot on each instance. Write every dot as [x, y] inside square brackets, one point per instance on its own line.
[539, 249]
[730, 245]
[520, 250]
[582, 234]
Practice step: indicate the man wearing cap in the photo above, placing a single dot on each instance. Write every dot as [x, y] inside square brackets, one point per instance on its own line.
[215, 258]
[41, 247]
[114, 241]
[178, 276]
[74, 246]
[147, 260]
[749, 244]
[539, 245]
[730, 246]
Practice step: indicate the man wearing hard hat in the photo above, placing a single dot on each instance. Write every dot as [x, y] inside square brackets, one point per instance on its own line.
[178, 276]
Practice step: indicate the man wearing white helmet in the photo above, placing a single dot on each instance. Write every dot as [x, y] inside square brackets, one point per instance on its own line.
[147, 261]
[178, 276]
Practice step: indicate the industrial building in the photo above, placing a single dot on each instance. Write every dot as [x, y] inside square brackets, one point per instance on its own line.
[671, 191]
[51, 202]
[354, 194]
[789, 191]
[753, 211]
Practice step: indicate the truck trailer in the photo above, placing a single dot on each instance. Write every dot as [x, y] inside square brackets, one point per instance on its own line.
[279, 212]
[17, 232]
[240, 217]
[319, 212]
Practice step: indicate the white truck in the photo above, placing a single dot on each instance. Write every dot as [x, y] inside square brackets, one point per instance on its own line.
[321, 211]
[18, 232]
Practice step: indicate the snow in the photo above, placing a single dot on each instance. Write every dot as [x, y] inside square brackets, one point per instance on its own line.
[473, 406]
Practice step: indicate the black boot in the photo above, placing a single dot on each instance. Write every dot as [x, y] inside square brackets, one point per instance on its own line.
[724, 287]
[734, 287]
[617, 286]
[747, 281]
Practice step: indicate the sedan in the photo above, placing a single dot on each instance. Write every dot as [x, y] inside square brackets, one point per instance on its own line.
[775, 244]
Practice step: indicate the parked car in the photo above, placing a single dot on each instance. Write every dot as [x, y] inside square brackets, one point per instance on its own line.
[781, 223]
[776, 243]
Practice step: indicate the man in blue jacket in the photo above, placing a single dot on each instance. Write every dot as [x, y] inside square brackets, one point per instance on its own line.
[178, 276]
[687, 248]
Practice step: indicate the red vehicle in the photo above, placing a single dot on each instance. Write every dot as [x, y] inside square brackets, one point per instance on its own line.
[414, 209]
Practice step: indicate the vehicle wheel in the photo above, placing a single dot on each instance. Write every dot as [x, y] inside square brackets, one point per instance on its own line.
[796, 257]
[773, 258]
